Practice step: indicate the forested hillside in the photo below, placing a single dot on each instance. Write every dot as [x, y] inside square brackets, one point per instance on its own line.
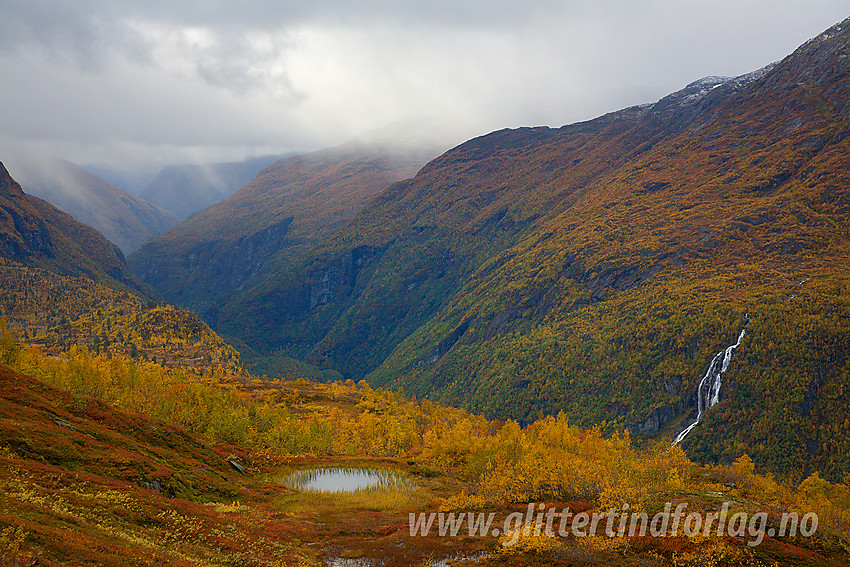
[63, 284]
[623, 341]
[57, 312]
[130, 434]
[112, 461]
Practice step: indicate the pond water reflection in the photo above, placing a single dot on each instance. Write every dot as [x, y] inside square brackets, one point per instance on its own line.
[349, 479]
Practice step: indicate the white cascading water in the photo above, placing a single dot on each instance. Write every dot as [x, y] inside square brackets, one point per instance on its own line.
[708, 392]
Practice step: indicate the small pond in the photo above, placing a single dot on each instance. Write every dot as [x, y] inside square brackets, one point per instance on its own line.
[349, 479]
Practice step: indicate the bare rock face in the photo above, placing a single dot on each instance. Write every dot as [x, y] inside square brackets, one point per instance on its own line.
[653, 421]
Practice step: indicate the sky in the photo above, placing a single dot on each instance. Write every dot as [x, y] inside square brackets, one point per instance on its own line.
[144, 83]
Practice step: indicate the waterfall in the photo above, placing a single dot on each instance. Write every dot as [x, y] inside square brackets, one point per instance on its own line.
[708, 391]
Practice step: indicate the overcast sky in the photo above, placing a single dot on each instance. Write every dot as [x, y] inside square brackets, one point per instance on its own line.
[162, 81]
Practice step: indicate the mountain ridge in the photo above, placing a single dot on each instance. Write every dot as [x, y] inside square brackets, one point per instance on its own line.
[64, 284]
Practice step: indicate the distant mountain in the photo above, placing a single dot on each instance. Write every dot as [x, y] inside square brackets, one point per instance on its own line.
[595, 269]
[132, 179]
[35, 233]
[124, 219]
[187, 189]
[279, 214]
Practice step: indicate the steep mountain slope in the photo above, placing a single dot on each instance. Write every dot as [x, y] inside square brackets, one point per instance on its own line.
[597, 269]
[186, 189]
[276, 216]
[35, 233]
[124, 219]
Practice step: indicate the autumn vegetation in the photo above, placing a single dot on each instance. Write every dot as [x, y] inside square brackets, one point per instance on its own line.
[462, 462]
[56, 312]
[283, 211]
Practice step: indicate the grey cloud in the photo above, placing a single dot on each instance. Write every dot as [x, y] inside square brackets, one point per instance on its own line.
[67, 32]
[168, 79]
[235, 63]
